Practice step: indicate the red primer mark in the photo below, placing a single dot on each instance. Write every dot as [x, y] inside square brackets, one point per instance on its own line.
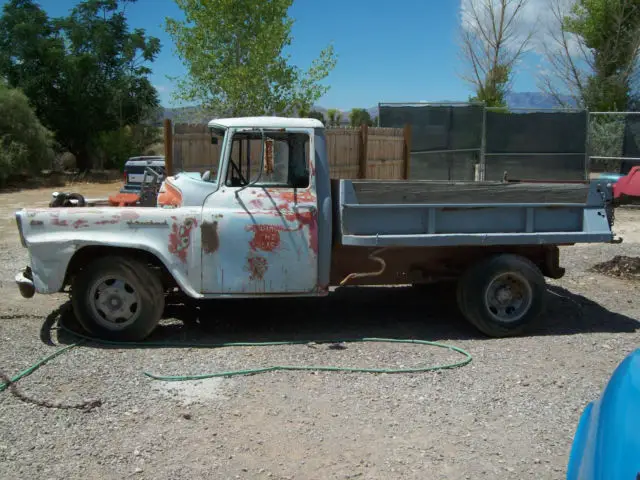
[180, 238]
[257, 267]
[256, 203]
[265, 237]
[306, 219]
[310, 219]
[80, 223]
[59, 223]
[294, 197]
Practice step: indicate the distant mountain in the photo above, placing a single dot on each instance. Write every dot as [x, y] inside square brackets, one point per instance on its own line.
[535, 100]
[528, 100]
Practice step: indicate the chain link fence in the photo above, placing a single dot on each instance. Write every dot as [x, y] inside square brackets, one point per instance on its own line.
[614, 141]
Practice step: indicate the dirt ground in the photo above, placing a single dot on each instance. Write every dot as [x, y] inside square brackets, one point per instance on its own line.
[510, 413]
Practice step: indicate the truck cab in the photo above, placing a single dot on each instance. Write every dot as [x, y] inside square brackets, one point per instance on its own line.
[266, 213]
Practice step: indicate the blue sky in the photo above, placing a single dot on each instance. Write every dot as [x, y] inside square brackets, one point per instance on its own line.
[388, 51]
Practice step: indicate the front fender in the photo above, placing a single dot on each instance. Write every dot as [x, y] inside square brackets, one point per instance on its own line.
[54, 236]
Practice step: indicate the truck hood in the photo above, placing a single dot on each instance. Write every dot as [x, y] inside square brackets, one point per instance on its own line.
[186, 189]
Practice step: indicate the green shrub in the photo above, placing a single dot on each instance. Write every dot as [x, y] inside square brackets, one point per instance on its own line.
[114, 148]
[25, 145]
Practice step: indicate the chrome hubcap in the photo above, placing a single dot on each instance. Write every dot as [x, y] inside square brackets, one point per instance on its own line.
[508, 297]
[114, 302]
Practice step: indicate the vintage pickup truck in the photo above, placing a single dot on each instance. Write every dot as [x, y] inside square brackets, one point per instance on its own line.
[271, 223]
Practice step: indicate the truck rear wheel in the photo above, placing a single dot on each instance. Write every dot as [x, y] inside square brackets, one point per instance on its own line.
[118, 298]
[502, 295]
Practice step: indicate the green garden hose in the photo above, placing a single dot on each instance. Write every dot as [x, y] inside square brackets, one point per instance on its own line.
[35, 366]
[251, 371]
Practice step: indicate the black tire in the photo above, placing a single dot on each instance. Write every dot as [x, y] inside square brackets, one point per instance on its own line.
[142, 298]
[511, 273]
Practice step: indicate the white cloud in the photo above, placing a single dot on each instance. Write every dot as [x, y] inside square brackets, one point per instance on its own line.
[161, 88]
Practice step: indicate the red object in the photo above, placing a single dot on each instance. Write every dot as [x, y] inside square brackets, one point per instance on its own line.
[628, 187]
[124, 199]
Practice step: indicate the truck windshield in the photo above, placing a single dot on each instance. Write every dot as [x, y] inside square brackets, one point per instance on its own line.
[285, 159]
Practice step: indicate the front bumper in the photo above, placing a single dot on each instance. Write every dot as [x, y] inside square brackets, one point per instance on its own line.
[25, 283]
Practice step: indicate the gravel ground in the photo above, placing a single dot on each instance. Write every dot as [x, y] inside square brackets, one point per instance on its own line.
[511, 413]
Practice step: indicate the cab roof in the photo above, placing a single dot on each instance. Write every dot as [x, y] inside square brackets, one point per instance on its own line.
[266, 122]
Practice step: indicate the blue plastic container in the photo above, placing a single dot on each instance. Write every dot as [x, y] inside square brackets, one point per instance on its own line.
[606, 445]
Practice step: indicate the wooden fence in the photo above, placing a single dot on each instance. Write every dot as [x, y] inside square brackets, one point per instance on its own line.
[365, 152]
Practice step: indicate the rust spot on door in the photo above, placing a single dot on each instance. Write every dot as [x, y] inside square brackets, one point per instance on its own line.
[210, 239]
[257, 267]
[306, 219]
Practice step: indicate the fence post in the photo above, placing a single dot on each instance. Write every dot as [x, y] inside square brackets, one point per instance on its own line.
[407, 151]
[168, 147]
[482, 167]
[587, 146]
[364, 140]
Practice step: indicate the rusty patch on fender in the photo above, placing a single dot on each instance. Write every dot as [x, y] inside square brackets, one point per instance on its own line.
[257, 267]
[209, 235]
[81, 223]
[180, 238]
[59, 223]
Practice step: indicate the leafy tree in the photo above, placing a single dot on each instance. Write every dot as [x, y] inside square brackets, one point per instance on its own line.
[491, 46]
[334, 117]
[592, 52]
[234, 53]
[304, 111]
[317, 115]
[359, 116]
[25, 145]
[85, 74]
[611, 30]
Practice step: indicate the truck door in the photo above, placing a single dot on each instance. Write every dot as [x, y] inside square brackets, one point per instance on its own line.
[260, 229]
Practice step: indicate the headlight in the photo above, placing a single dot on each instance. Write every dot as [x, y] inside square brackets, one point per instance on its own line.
[19, 222]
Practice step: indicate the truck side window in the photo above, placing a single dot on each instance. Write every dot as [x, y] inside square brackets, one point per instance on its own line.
[286, 160]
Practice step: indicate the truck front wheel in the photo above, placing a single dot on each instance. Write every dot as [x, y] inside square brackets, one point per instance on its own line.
[502, 295]
[118, 298]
